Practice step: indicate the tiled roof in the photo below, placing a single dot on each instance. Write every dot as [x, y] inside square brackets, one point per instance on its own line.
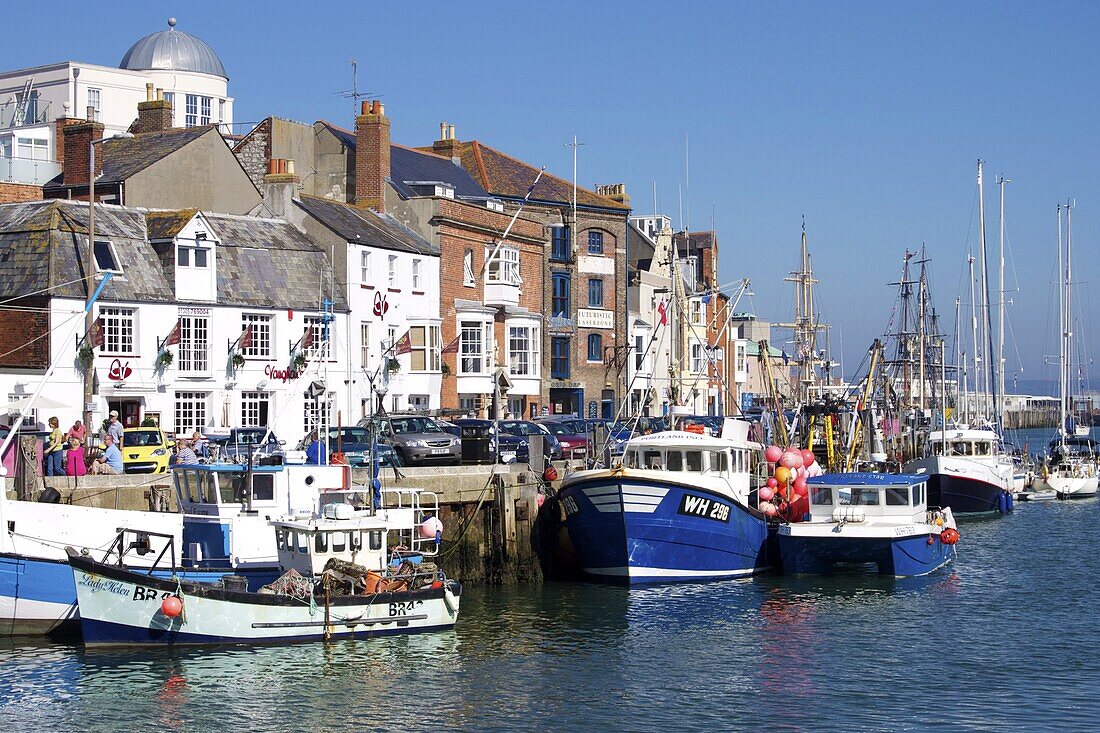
[364, 226]
[502, 175]
[123, 157]
[167, 224]
[696, 240]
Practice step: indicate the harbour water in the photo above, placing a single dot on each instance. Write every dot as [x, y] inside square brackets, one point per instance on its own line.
[999, 641]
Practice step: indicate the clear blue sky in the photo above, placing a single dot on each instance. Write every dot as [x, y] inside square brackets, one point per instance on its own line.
[867, 118]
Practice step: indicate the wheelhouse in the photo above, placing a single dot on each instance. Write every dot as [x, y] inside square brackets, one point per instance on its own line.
[857, 497]
[307, 546]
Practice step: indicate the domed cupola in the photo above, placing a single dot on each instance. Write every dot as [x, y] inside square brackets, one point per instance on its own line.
[173, 50]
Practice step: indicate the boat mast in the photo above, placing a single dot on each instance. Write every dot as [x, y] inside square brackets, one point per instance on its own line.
[1001, 181]
[987, 331]
[974, 358]
[1062, 338]
[1068, 323]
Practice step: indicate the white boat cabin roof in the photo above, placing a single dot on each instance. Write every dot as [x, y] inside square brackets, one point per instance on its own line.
[681, 439]
[859, 497]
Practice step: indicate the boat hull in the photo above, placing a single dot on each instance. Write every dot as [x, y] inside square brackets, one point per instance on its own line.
[896, 556]
[964, 495]
[637, 530]
[120, 607]
[1072, 487]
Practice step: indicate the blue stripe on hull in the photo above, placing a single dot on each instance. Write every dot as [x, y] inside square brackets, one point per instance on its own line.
[963, 495]
[677, 547]
[50, 581]
[101, 633]
[902, 556]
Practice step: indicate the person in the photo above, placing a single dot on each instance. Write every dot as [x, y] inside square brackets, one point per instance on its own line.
[185, 456]
[76, 431]
[110, 463]
[55, 450]
[114, 427]
[198, 444]
[315, 451]
[74, 459]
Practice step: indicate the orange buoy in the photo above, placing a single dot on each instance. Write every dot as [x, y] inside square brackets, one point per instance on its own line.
[171, 606]
[550, 474]
[949, 536]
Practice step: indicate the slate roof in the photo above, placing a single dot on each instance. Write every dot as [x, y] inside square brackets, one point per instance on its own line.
[167, 224]
[502, 175]
[364, 226]
[261, 262]
[694, 240]
[123, 157]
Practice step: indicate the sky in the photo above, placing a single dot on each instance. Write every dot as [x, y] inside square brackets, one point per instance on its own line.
[866, 118]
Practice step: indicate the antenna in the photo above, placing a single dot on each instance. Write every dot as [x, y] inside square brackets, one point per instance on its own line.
[354, 94]
[687, 183]
[573, 226]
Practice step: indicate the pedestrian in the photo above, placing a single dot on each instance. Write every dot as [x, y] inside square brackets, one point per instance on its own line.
[74, 459]
[185, 456]
[55, 450]
[77, 431]
[316, 455]
[198, 444]
[110, 463]
[114, 427]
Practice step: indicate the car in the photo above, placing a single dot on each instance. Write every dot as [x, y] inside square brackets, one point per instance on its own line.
[239, 443]
[527, 428]
[572, 443]
[574, 424]
[355, 443]
[512, 447]
[145, 450]
[417, 439]
[617, 433]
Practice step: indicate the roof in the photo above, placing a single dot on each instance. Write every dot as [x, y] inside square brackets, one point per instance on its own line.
[868, 479]
[698, 240]
[502, 175]
[260, 262]
[363, 226]
[173, 50]
[752, 348]
[124, 157]
[167, 224]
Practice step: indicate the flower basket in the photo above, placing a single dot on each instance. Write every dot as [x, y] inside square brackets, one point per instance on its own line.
[300, 362]
[164, 359]
[85, 353]
[238, 361]
[393, 366]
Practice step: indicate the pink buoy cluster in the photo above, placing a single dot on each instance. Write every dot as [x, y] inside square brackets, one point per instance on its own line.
[784, 493]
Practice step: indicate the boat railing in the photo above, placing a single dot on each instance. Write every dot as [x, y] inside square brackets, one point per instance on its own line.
[141, 544]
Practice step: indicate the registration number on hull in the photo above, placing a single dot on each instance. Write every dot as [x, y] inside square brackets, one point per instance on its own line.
[701, 506]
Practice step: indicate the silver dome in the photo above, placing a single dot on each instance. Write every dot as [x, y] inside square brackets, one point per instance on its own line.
[173, 50]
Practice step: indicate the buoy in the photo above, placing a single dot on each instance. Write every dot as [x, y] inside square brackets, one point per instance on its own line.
[1011, 501]
[550, 474]
[430, 527]
[171, 606]
[773, 453]
[930, 540]
[949, 536]
[766, 493]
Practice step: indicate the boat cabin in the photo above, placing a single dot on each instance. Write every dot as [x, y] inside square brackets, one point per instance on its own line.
[230, 489]
[341, 533]
[688, 453]
[868, 497]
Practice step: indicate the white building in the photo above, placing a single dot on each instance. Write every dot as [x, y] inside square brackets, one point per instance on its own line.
[184, 67]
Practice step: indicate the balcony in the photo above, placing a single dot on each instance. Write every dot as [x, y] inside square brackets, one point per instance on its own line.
[26, 170]
[12, 114]
[502, 278]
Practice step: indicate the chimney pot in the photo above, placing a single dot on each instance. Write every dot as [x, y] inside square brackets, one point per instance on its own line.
[149, 92]
[290, 167]
[451, 133]
[381, 108]
[364, 107]
[273, 166]
[442, 130]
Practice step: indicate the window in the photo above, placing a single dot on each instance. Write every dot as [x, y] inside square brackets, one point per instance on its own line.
[595, 243]
[204, 110]
[468, 269]
[559, 244]
[674, 461]
[897, 496]
[471, 348]
[320, 347]
[918, 495]
[191, 118]
[392, 271]
[317, 412]
[425, 348]
[94, 101]
[119, 330]
[364, 344]
[221, 110]
[469, 403]
[559, 305]
[364, 267]
[523, 351]
[261, 334]
[33, 148]
[595, 347]
[194, 344]
[595, 293]
[741, 358]
[170, 97]
[190, 412]
[504, 267]
[639, 351]
[255, 409]
[698, 358]
[821, 496]
[694, 461]
[696, 311]
[105, 260]
[417, 280]
[419, 402]
[559, 358]
[193, 257]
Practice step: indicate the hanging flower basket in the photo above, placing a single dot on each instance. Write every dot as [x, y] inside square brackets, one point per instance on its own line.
[299, 362]
[85, 353]
[164, 359]
[238, 361]
[393, 366]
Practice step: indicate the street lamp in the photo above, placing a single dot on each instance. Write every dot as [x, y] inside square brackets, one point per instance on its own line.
[89, 318]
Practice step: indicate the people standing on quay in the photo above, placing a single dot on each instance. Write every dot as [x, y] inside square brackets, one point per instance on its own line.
[74, 458]
[110, 463]
[77, 431]
[55, 450]
[114, 427]
[316, 455]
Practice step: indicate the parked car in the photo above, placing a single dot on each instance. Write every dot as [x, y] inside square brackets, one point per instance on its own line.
[417, 439]
[509, 445]
[355, 443]
[618, 433]
[572, 443]
[239, 443]
[527, 428]
[145, 450]
[574, 424]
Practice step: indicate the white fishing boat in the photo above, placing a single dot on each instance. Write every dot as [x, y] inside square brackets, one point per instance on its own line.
[343, 579]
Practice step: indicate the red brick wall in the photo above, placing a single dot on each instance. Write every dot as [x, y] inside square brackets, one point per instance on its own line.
[13, 193]
[372, 156]
[20, 345]
[59, 136]
[78, 138]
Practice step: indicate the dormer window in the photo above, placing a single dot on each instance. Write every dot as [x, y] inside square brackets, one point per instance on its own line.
[431, 188]
[105, 258]
[193, 256]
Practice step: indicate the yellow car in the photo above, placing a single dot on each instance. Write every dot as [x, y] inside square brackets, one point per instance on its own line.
[145, 450]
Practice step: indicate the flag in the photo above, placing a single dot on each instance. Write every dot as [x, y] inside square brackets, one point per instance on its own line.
[245, 341]
[307, 338]
[452, 348]
[662, 311]
[173, 336]
[403, 345]
[95, 336]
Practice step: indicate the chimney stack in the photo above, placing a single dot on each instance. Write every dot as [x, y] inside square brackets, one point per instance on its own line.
[59, 134]
[372, 155]
[280, 187]
[154, 114]
[447, 144]
[78, 136]
[615, 192]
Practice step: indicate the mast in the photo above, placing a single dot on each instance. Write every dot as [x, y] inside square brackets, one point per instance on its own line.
[987, 331]
[975, 359]
[805, 325]
[1068, 323]
[1001, 312]
[1062, 339]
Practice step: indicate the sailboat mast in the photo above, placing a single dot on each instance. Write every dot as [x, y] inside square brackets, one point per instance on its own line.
[1069, 311]
[1001, 311]
[987, 330]
[974, 358]
[1061, 335]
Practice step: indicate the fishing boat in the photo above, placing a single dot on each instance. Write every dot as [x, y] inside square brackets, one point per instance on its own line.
[342, 579]
[966, 470]
[869, 518]
[678, 508]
